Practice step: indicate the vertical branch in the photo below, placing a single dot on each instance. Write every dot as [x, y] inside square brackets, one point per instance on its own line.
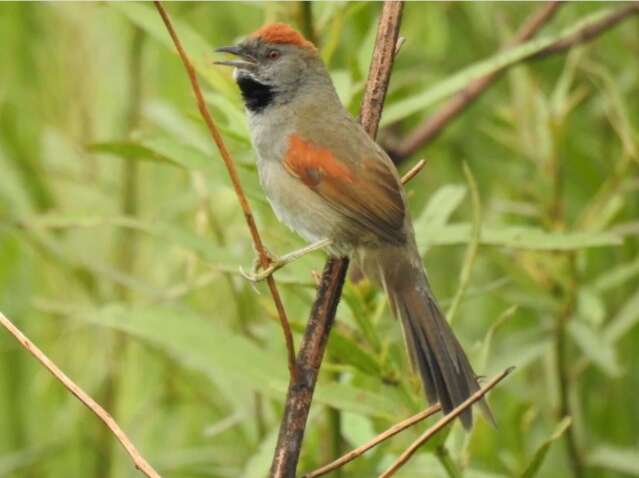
[300, 394]
[309, 359]
[235, 181]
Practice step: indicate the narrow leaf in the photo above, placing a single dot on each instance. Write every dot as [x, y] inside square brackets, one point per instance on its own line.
[518, 237]
[538, 458]
[593, 346]
[419, 102]
[620, 460]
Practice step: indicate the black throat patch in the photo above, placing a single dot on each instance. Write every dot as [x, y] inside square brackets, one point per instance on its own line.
[257, 96]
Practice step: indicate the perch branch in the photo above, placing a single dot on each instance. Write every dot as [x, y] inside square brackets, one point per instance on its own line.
[235, 180]
[435, 124]
[300, 394]
[385, 435]
[138, 460]
[442, 422]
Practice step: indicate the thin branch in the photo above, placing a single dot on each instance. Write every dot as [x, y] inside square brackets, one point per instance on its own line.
[235, 180]
[309, 359]
[442, 422]
[589, 32]
[359, 451]
[300, 394]
[435, 124]
[139, 462]
[414, 171]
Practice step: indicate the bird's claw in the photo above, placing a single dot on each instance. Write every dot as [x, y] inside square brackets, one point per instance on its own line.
[259, 273]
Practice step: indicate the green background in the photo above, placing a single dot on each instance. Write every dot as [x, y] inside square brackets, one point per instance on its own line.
[121, 239]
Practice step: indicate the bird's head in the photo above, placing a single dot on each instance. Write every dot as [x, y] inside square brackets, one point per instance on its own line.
[273, 63]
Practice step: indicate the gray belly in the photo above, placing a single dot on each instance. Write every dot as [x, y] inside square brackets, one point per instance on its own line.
[296, 205]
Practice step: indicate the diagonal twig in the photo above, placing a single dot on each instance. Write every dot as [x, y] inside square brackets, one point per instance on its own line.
[300, 394]
[589, 32]
[442, 422]
[435, 124]
[414, 171]
[385, 435]
[138, 460]
[235, 180]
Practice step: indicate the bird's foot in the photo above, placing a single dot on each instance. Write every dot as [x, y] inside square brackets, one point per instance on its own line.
[259, 273]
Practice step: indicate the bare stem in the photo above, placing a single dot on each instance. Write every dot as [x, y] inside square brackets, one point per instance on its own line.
[442, 422]
[435, 124]
[139, 461]
[300, 394]
[235, 180]
[385, 435]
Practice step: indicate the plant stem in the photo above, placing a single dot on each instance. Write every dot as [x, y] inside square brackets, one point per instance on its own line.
[125, 252]
[300, 393]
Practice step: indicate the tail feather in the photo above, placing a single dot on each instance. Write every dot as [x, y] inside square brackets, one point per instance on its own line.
[435, 352]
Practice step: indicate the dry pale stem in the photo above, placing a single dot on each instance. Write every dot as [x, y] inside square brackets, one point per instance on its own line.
[138, 460]
[442, 422]
[385, 435]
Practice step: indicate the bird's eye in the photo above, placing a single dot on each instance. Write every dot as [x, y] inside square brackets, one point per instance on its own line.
[273, 55]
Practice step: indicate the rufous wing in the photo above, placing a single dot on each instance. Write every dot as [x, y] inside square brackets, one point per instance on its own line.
[364, 190]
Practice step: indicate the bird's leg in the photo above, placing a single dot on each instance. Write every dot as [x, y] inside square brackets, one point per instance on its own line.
[259, 274]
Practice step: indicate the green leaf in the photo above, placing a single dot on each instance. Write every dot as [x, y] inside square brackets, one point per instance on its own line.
[229, 358]
[19, 461]
[258, 465]
[538, 458]
[617, 276]
[131, 150]
[419, 102]
[358, 400]
[595, 347]
[440, 207]
[184, 155]
[518, 237]
[488, 339]
[620, 460]
[350, 352]
[198, 50]
[590, 306]
[357, 428]
[236, 125]
[224, 258]
[625, 319]
[473, 245]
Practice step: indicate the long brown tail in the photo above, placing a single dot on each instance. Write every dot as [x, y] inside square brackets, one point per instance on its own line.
[435, 352]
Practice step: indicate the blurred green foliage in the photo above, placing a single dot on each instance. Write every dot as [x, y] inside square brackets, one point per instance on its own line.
[120, 242]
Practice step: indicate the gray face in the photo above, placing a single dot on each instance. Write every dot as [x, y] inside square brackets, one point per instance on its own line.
[282, 67]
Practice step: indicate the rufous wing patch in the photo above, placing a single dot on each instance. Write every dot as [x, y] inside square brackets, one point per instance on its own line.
[367, 193]
[313, 164]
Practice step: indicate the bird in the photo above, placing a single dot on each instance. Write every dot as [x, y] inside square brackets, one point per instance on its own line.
[331, 183]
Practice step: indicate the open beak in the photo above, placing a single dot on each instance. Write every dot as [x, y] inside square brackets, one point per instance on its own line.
[247, 62]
